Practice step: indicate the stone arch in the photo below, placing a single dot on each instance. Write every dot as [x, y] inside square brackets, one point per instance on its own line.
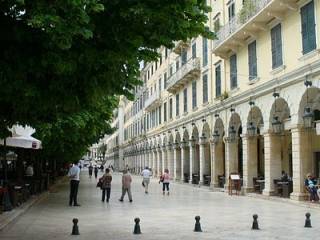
[311, 99]
[235, 121]
[195, 134]
[255, 118]
[170, 139]
[177, 137]
[219, 127]
[185, 136]
[206, 130]
[279, 109]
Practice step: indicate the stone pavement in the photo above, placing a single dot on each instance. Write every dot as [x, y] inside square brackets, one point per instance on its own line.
[162, 217]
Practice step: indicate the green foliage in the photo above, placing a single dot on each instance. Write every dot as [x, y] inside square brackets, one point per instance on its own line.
[59, 59]
[249, 7]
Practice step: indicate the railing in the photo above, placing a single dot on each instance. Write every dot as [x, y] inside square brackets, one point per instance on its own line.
[238, 21]
[179, 45]
[152, 99]
[191, 65]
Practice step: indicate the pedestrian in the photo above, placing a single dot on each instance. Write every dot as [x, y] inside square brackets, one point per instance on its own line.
[106, 185]
[146, 174]
[74, 176]
[165, 181]
[90, 171]
[126, 185]
[96, 171]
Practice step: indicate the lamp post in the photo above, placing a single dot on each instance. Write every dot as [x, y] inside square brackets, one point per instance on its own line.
[216, 136]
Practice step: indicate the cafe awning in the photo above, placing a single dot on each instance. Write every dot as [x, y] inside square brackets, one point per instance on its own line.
[21, 137]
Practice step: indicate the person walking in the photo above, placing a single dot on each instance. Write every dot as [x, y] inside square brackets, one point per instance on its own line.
[106, 185]
[96, 171]
[74, 176]
[126, 185]
[165, 181]
[146, 174]
[90, 171]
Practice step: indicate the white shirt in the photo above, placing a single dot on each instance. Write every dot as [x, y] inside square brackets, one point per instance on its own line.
[146, 173]
[74, 173]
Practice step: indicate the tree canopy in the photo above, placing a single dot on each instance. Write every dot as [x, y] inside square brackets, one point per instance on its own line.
[59, 59]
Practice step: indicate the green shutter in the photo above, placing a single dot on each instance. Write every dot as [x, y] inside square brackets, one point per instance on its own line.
[308, 28]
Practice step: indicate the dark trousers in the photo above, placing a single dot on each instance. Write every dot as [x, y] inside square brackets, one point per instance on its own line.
[104, 191]
[95, 174]
[74, 185]
[164, 186]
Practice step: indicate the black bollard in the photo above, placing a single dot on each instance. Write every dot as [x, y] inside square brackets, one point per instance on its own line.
[75, 228]
[137, 229]
[307, 224]
[197, 226]
[255, 225]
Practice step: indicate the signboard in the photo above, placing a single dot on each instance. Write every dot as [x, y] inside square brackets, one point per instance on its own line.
[235, 177]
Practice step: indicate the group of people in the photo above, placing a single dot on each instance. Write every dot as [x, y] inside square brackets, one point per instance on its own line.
[311, 185]
[105, 183]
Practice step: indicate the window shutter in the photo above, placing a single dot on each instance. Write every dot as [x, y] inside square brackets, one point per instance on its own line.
[308, 28]
[218, 81]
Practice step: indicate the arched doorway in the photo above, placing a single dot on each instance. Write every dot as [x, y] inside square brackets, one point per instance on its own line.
[194, 157]
[278, 150]
[177, 156]
[205, 156]
[218, 153]
[253, 149]
[185, 157]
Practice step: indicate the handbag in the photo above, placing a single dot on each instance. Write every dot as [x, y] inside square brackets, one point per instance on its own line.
[99, 183]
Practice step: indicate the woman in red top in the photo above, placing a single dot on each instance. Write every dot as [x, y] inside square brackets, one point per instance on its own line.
[166, 181]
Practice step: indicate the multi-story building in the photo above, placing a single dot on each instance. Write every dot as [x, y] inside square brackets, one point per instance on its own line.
[247, 102]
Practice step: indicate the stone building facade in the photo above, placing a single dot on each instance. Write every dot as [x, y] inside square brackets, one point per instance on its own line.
[247, 102]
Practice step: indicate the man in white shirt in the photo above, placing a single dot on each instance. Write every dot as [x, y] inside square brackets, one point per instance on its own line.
[74, 175]
[146, 174]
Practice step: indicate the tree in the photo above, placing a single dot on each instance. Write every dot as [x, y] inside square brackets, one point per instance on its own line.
[60, 58]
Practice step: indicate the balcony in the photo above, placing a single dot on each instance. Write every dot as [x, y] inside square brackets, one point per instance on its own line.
[153, 101]
[188, 72]
[180, 45]
[249, 22]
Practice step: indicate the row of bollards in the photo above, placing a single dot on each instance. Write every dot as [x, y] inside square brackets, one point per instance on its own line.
[197, 226]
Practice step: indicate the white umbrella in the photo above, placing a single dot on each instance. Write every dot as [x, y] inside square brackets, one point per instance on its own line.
[21, 137]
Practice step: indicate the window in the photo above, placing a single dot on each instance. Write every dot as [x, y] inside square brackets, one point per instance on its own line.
[177, 105]
[185, 100]
[171, 70]
[170, 108]
[276, 46]
[148, 74]
[166, 53]
[194, 94]
[159, 114]
[216, 25]
[252, 55]
[231, 11]
[184, 57]
[160, 60]
[160, 84]
[165, 80]
[152, 70]
[205, 88]
[233, 71]
[165, 112]
[204, 52]
[177, 65]
[308, 28]
[194, 50]
[156, 65]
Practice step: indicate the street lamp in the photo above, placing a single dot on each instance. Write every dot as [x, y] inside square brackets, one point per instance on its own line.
[276, 123]
[216, 137]
[232, 129]
[251, 129]
[308, 115]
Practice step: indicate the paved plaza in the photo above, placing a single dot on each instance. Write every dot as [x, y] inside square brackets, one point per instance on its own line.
[162, 217]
